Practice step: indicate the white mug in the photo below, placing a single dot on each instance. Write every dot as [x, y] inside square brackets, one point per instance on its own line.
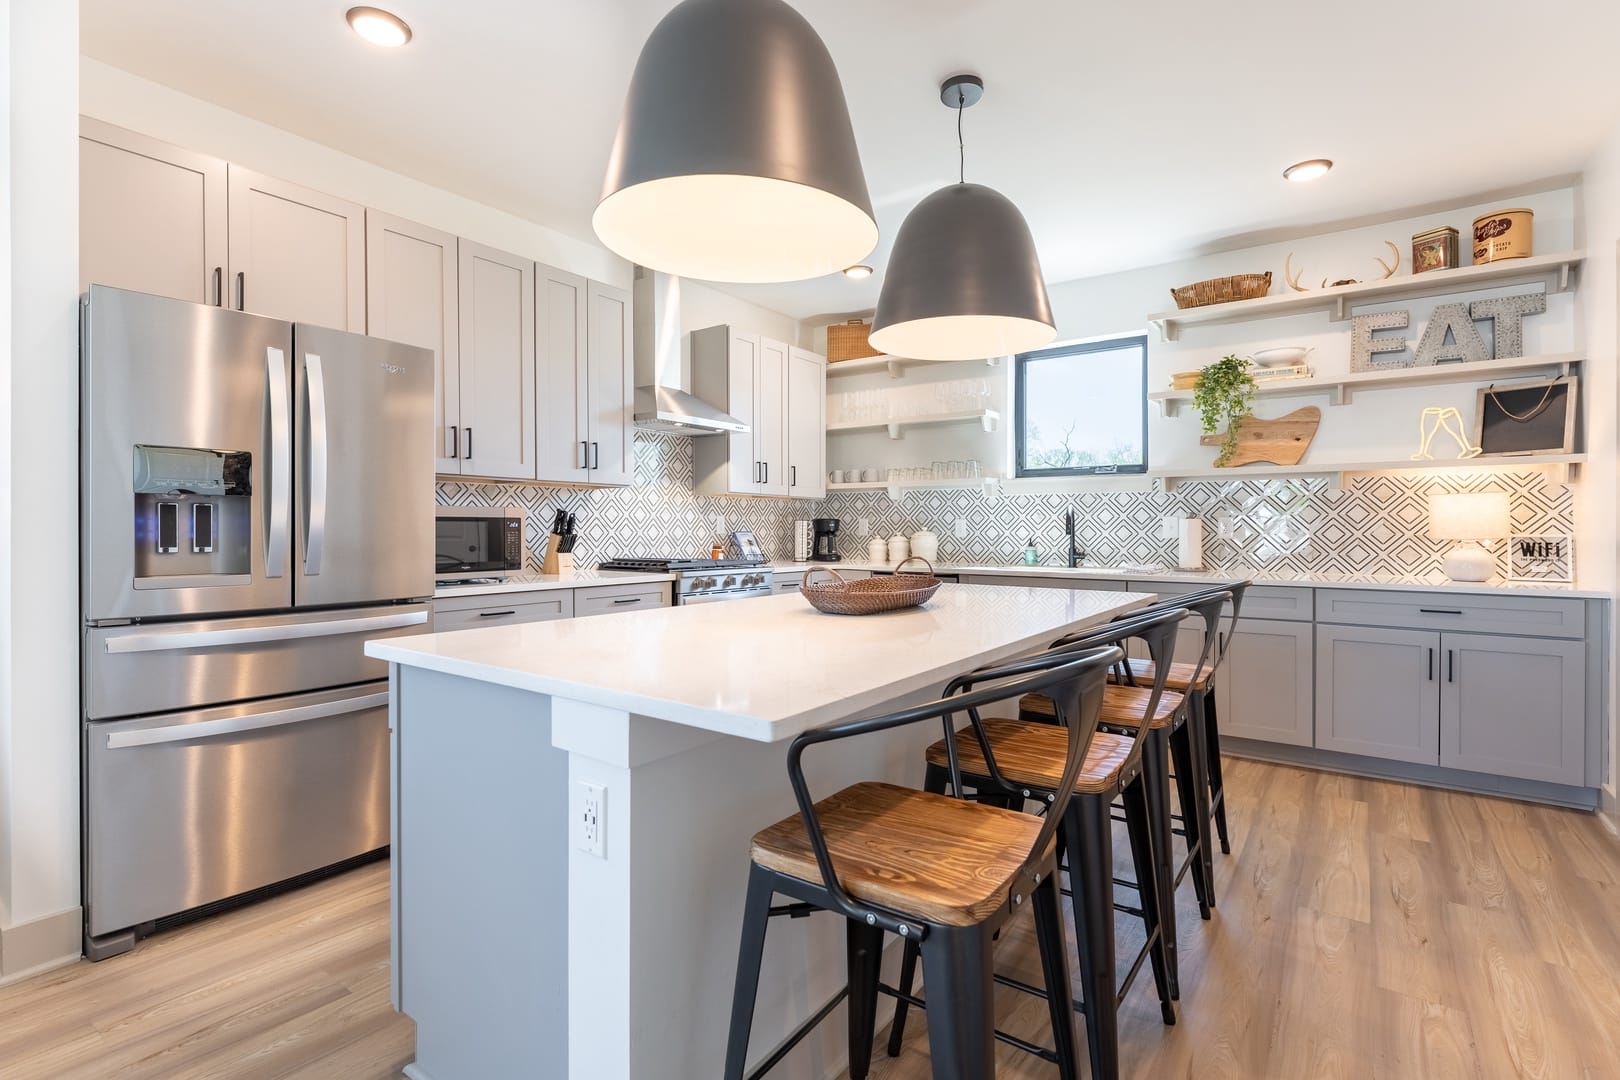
[836, 476]
[870, 475]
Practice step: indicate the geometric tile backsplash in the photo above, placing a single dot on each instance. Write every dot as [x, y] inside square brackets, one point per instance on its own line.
[1375, 524]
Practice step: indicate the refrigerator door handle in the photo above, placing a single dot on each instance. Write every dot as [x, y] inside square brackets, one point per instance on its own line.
[275, 551]
[171, 640]
[316, 538]
[233, 725]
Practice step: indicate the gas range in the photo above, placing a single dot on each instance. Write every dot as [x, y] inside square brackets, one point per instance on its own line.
[705, 581]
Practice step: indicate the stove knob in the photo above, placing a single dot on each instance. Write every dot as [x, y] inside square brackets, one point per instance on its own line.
[730, 580]
[703, 583]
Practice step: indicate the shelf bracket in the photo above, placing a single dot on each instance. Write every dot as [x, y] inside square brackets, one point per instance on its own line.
[893, 491]
[992, 361]
[1169, 407]
[989, 422]
[896, 368]
[1165, 328]
[1339, 395]
[1565, 272]
[894, 431]
[1339, 314]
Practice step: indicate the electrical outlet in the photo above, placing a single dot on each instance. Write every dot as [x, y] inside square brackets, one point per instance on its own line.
[960, 531]
[719, 524]
[862, 527]
[590, 818]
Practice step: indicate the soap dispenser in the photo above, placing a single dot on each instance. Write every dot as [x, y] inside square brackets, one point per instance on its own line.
[1032, 557]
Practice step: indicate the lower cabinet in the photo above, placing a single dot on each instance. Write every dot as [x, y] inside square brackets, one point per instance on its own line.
[1265, 686]
[467, 612]
[607, 599]
[1506, 706]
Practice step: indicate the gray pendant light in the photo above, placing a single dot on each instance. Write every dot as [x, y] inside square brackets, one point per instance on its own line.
[963, 281]
[735, 158]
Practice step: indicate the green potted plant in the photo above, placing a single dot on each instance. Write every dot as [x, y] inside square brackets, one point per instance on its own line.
[1224, 393]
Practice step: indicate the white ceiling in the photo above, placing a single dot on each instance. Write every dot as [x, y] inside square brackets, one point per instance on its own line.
[1129, 133]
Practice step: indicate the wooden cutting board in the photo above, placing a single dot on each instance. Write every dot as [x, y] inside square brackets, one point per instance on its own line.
[1282, 441]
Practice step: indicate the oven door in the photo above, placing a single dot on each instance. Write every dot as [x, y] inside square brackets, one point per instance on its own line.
[716, 598]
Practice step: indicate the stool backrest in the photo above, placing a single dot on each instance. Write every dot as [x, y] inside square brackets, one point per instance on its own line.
[1074, 680]
[1208, 605]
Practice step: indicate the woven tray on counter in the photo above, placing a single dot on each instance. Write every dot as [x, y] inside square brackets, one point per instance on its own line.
[869, 596]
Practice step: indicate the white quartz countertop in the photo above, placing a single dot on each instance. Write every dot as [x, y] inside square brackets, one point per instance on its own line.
[766, 668]
[579, 579]
[1259, 577]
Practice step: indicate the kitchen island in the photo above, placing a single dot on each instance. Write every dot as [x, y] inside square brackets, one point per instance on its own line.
[657, 739]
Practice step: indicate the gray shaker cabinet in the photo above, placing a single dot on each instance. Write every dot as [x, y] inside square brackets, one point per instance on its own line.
[610, 383]
[295, 254]
[562, 408]
[497, 363]
[1378, 692]
[1514, 706]
[1265, 688]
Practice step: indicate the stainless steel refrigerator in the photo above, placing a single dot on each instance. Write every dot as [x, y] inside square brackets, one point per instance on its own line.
[257, 502]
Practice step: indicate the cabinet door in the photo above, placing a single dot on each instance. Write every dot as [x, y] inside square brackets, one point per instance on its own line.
[1264, 687]
[742, 466]
[807, 425]
[563, 452]
[770, 417]
[411, 297]
[611, 385]
[295, 254]
[1378, 692]
[151, 216]
[1514, 706]
[497, 363]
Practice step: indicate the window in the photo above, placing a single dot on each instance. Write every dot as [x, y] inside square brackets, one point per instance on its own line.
[1081, 410]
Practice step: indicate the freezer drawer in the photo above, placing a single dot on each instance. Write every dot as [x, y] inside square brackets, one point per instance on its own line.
[188, 808]
[152, 668]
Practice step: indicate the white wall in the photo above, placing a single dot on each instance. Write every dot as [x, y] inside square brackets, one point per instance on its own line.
[1599, 223]
[39, 636]
[130, 101]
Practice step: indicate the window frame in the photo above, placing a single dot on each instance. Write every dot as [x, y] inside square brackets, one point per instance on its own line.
[1078, 348]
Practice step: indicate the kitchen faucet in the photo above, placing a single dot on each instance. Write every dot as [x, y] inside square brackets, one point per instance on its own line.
[1076, 553]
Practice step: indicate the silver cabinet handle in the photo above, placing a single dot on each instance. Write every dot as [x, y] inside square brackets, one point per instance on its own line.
[275, 549]
[232, 725]
[315, 540]
[170, 640]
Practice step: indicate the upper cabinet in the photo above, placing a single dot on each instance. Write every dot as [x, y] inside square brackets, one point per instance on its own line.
[806, 424]
[497, 364]
[411, 297]
[610, 385]
[752, 378]
[295, 254]
[151, 216]
[561, 384]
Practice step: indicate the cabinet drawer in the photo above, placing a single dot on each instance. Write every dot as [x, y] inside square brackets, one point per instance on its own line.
[1259, 602]
[1535, 616]
[466, 612]
[611, 598]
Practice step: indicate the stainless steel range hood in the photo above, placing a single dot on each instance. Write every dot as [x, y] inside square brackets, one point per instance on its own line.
[662, 374]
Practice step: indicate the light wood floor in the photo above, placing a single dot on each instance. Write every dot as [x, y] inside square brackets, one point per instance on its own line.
[1365, 930]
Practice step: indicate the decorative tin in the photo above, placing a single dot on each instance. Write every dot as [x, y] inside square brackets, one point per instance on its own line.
[1434, 250]
[1504, 234]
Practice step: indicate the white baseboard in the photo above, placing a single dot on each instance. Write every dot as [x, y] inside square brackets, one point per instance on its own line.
[30, 948]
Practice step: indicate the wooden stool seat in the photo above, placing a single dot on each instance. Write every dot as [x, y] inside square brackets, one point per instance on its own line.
[1032, 754]
[928, 856]
[1179, 678]
[1122, 706]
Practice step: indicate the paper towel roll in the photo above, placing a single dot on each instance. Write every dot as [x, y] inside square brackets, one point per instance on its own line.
[1190, 544]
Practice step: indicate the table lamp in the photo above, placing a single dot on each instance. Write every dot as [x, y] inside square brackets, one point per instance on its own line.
[1469, 518]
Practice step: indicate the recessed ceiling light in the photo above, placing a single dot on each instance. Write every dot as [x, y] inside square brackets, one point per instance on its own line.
[858, 272]
[379, 27]
[1314, 169]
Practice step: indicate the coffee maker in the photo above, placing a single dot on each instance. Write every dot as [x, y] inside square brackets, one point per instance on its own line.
[826, 541]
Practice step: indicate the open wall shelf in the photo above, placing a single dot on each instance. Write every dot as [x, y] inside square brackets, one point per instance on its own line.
[1557, 271]
[895, 365]
[1340, 388]
[1567, 466]
[986, 418]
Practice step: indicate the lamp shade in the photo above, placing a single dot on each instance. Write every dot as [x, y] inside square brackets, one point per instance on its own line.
[735, 159]
[963, 281]
[1469, 516]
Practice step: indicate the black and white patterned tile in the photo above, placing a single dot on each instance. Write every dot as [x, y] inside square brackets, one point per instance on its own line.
[1375, 524]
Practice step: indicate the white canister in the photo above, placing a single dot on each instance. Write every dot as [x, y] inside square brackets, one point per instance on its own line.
[877, 550]
[899, 548]
[925, 545]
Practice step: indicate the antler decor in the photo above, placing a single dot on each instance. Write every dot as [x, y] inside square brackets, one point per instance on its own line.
[1292, 276]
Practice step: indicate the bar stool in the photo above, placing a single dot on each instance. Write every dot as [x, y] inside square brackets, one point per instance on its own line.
[1166, 739]
[1015, 761]
[943, 873]
[1183, 677]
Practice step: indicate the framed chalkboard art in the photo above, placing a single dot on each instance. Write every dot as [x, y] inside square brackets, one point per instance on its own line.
[1527, 418]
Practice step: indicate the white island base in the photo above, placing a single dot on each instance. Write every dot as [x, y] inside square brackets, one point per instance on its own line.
[521, 955]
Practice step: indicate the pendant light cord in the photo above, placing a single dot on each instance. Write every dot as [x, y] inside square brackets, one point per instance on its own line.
[961, 147]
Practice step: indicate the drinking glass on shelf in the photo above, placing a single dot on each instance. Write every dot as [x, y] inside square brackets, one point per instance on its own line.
[973, 469]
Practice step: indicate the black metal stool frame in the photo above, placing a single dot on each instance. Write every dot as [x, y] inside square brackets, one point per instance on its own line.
[961, 1030]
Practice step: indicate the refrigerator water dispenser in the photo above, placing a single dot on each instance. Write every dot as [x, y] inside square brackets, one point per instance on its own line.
[193, 516]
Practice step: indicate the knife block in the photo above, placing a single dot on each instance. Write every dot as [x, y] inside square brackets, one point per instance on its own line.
[558, 563]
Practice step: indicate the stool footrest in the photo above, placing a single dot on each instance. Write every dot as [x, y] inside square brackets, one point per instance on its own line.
[1046, 1055]
[798, 1035]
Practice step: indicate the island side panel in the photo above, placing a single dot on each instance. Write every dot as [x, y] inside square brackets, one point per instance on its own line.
[654, 925]
[480, 878]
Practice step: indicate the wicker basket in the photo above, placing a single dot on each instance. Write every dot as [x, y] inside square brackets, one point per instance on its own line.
[869, 596]
[1222, 290]
[847, 341]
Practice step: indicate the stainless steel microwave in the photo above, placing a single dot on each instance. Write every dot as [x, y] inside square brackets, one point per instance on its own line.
[478, 543]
